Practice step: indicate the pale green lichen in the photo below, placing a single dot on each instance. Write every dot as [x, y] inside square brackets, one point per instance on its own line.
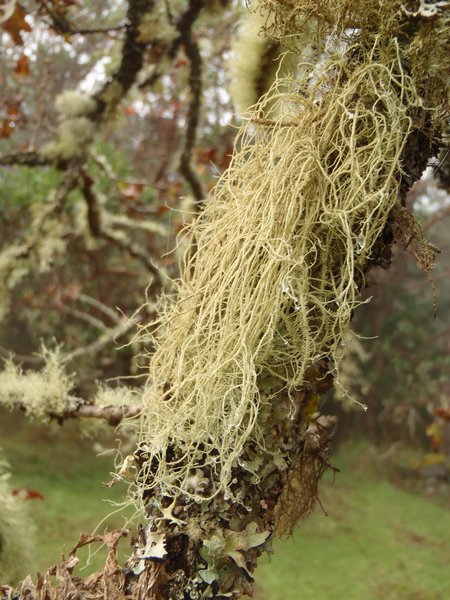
[74, 137]
[256, 60]
[74, 104]
[38, 393]
[76, 129]
[111, 95]
[156, 28]
[117, 396]
[16, 532]
[281, 248]
[36, 253]
[11, 273]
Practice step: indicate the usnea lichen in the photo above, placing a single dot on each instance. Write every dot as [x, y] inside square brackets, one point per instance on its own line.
[73, 104]
[76, 129]
[282, 248]
[74, 137]
[155, 27]
[38, 393]
[255, 61]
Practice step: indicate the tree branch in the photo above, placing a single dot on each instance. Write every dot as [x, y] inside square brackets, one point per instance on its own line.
[24, 159]
[195, 86]
[132, 58]
[61, 24]
[80, 409]
[98, 229]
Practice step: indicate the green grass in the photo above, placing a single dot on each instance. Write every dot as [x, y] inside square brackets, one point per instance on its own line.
[64, 468]
[378, 542]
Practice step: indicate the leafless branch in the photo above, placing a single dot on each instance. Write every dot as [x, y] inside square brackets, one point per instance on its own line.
[113, 415]
[195, 86]
[132, 58]
[436, 218]
[98, 229]
[83, 316]
[108, 337]
[106, 310]
[24, 159]
[62, 25]
[103, 340]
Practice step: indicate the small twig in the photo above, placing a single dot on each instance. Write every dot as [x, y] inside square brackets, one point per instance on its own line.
[106, 310]
[83, 316]
[441, 214]
[136, 251]
[107, 338]
[113, 415]
[98, 229]
[101, 161]
[24, 159]
[61, 24]
[195, 86]
[110, 336]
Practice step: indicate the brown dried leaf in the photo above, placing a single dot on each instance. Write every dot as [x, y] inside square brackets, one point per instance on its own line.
[16, 24]
[22, 69]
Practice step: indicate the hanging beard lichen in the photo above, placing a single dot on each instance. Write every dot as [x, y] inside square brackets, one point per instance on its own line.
[280, 254]
[281, 249]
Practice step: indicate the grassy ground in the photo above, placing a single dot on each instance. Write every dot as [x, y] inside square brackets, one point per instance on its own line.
[65, 469]
[378, 542]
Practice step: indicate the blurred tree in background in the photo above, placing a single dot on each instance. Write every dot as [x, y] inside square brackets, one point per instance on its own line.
[397, 363]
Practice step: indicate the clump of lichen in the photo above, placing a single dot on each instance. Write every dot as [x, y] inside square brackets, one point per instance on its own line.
[39, 393]
[255, 61]
[76, 129]
[280, 249]
[156, 27]
[282, 245]
[73, 104]
[16, 532]
[43, 242]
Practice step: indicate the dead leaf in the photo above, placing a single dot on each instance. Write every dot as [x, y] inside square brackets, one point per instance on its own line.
[5, 129]
[16, 24]
[22, 68]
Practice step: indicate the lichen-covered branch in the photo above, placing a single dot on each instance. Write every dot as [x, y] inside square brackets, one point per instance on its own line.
[79, 409]
[47, 394]
[24, 159]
